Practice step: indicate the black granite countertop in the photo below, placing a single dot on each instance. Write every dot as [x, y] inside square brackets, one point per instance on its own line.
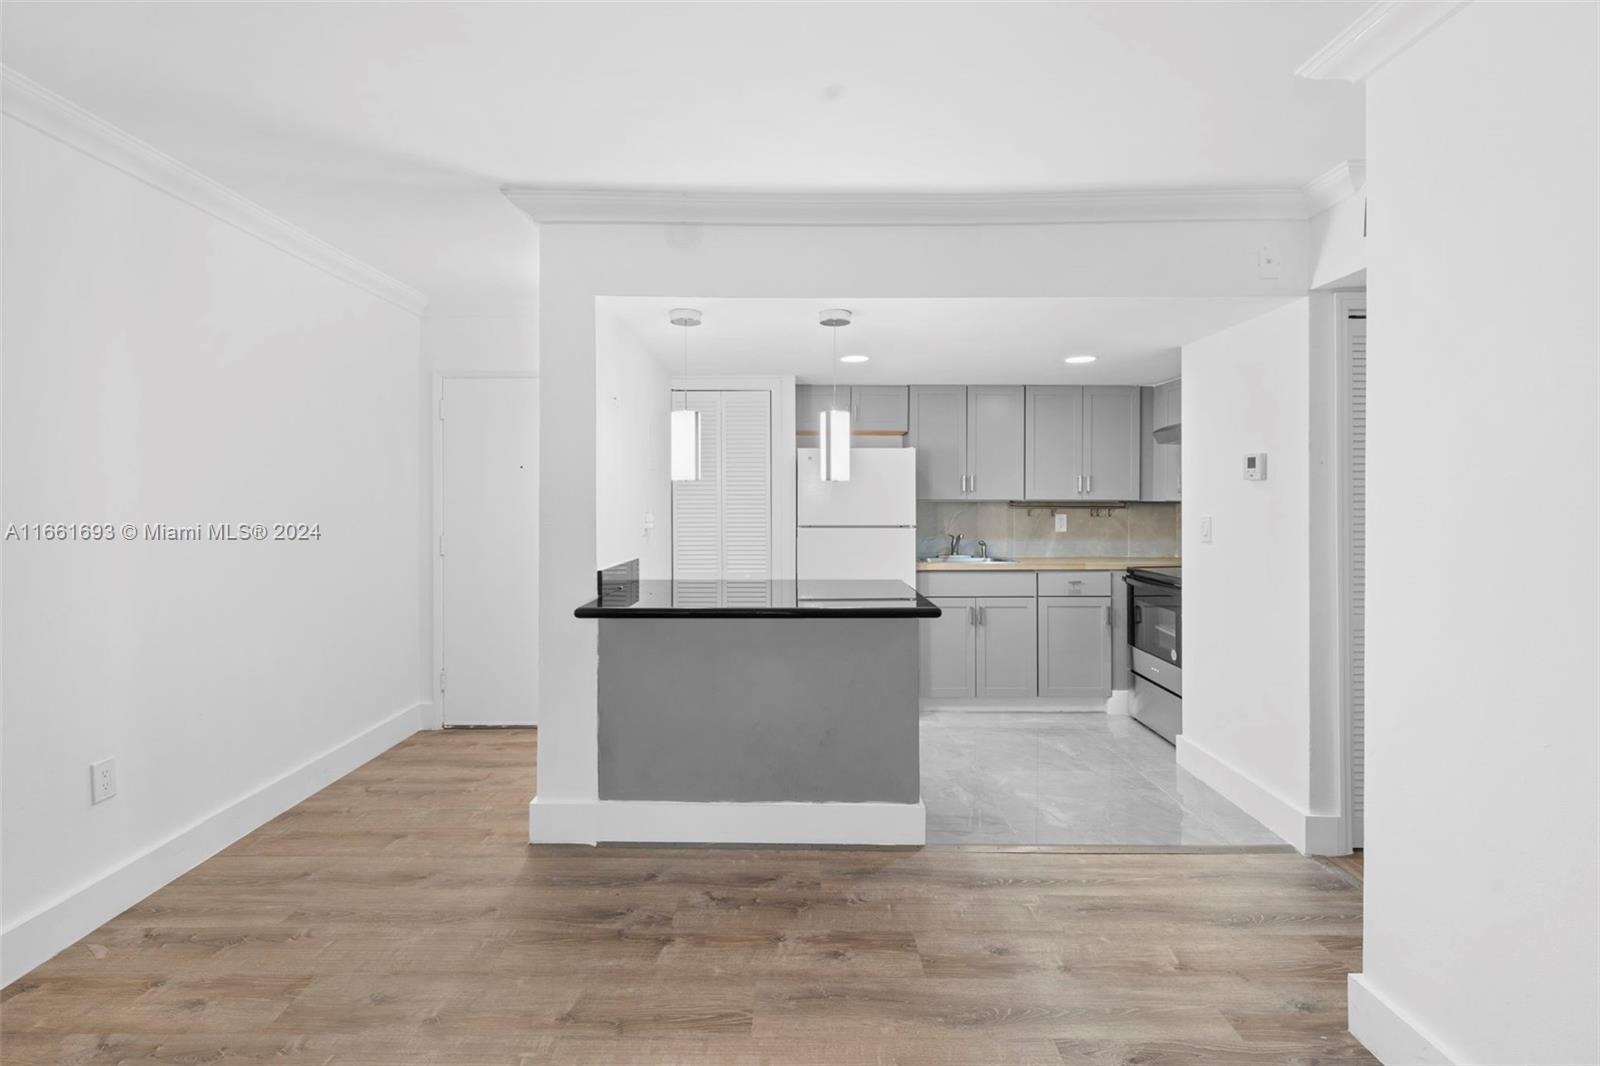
[759, 599]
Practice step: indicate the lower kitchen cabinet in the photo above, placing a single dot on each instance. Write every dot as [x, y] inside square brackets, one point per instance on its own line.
[982, 646]
[1074, 645]
[949, 647]
[1007, 658]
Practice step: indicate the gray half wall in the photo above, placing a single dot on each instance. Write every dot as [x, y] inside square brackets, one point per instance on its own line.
[759, 710]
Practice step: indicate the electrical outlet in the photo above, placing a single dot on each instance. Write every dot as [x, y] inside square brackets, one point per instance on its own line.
[102, 780]
[649, 521]
[1061, 522]
[1205, 529]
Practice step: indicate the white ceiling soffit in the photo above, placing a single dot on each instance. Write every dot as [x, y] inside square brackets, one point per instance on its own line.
[890, 208]
[1382, 32]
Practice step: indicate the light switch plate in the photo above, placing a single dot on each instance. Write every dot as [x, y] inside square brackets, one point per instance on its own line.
[1205, 529]
[1061, 522]
[1268, 264]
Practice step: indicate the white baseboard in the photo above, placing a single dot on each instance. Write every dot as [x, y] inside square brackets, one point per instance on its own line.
[36, 937]
[639, 822]
[1311, 834]
[1121, 702]
[1388, 1032]
[1034, 704]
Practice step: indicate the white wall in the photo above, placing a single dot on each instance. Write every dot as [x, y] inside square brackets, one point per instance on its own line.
[582, 262]
[632, 469]
[1481, 870]
[162, 365]
[1246, 636]
[1339, 244]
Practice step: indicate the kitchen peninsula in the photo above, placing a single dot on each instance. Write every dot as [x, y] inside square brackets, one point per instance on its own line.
[761, 711]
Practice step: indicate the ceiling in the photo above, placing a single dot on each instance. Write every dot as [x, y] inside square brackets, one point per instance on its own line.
[389, 128]
[976, 341]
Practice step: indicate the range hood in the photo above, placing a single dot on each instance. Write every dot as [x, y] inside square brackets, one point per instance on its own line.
[1169, 434]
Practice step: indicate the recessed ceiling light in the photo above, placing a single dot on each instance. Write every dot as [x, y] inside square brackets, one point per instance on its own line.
[1080, 359]
[854, 358]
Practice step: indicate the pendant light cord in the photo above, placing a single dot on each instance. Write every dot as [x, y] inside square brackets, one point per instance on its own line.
[835, 331]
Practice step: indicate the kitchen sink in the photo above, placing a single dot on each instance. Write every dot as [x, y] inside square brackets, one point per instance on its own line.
[965, 559]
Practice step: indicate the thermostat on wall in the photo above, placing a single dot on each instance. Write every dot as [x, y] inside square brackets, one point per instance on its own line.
[1255, 467]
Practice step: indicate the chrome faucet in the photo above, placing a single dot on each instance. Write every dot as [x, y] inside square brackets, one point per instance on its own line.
[983, 549]
[955, 544]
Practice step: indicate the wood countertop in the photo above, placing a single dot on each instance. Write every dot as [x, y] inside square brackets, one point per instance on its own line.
[1085, 562]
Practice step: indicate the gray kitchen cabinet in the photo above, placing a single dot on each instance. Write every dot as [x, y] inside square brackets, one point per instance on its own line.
[1082, 442]
[949, 661]
[1054, 442]
[880, 409]
[1161, 465]
[1007, 652]
[1074, 646]
[811, 400]
[969, 441]
[1110, 442]
[939, 433]
[994, 442]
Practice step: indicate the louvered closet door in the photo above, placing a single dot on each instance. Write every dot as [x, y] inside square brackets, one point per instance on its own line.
[722, 524]
[696, 507]
[1357, 573]
[746, 486]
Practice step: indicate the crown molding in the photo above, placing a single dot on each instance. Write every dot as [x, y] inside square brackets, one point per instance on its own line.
[1335, 185]
[877, 208]
[1382, 32]
[33, 105]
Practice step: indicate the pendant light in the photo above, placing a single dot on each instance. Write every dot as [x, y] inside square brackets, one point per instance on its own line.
[834, 431]
[685, 425]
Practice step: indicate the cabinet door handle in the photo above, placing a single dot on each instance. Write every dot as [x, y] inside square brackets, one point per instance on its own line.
[1080, 484]
[1107, 610]
[981, 619]
[972, 615]
[1089, 486]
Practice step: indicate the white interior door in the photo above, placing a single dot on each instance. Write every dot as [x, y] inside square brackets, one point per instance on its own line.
[489, 551]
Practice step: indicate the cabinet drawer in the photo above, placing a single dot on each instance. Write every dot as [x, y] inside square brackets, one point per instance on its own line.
[1074, 583]
[974, 583]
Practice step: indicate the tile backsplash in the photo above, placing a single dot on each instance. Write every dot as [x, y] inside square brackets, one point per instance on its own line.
[1016, 533]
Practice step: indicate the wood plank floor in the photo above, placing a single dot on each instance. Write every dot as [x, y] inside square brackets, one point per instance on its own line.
[400, 917]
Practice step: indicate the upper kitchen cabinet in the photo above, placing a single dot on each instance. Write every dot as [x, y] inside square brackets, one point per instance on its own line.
[994, 442]
[1054, 445]
[880, 409]
[1110, 442]
[969, 441]
[939, 433]
[1161, 465]
[811, 400]
[879, 413]
[1083, 442]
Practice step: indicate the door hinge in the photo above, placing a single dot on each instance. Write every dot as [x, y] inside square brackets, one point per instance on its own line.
[441, 543]
[441, 679]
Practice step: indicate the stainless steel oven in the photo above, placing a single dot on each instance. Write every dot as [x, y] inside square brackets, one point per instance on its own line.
[1155, 642]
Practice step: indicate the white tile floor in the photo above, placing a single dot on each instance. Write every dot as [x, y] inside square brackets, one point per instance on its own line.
[1066, 778]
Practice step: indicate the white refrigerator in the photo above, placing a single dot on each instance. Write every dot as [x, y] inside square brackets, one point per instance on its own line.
[862, 528]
